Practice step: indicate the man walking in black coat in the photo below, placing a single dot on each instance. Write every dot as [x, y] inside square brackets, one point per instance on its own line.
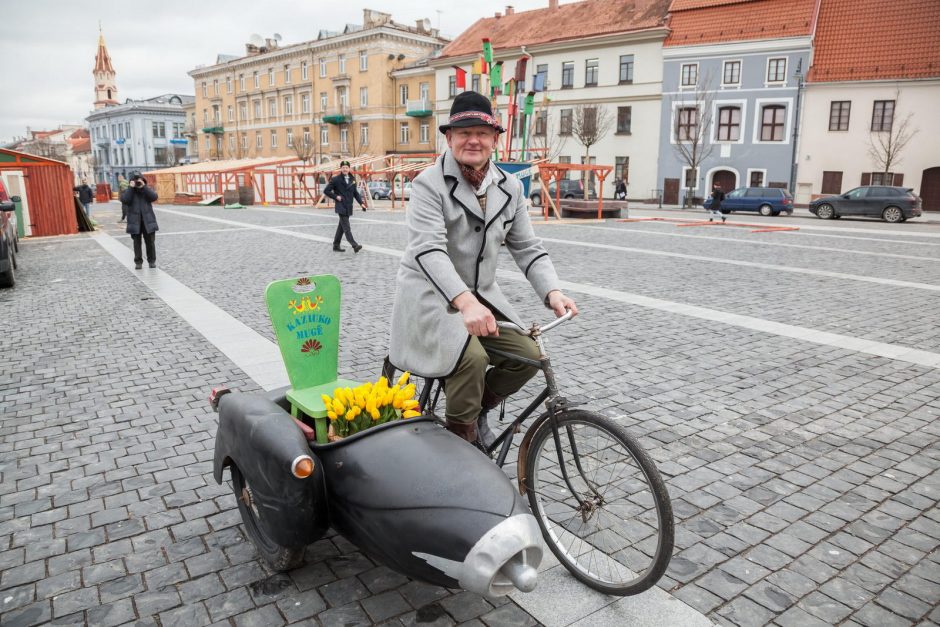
[141, 220]
[342, 189]
[86, 196]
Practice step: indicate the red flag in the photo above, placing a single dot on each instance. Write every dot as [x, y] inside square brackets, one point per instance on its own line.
[461, 77]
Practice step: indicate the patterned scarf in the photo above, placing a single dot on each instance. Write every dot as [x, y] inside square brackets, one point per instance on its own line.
[474, 177]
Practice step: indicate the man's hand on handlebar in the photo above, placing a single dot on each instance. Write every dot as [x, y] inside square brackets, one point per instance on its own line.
[477, 318]
[560, 304]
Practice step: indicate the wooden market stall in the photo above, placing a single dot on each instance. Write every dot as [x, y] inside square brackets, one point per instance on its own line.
[45, 189]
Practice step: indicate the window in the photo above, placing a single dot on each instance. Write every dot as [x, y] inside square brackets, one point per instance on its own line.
[242, 110]
[127, 129]
[881, 178]
[541, 77]
[216, 116]
[272, 108]
[689, 75]
[205, 116]
[731, 75]
[322, 67]
[451, 86]
[257, 104]
[324, 135]
[831, 182]
[286, 74]
[288, 105]
[270, 76]
[541, 120]
[290, 138]
[624, 114]
[776, 70]
[626, 68]
[687, 124]
[622, 168]
[205, 93]
[324, 101]
[231, 113]
[567, 75]
[208, 145]
[256, 79]
[159, 129]
[424, 91]
[363, 96]
[403, 95]
[839, 115]
[344, 139]
[273, 139]
[425, 133]
[564, 122]
[342, 99]
[771, 126]
[404, 133]
[590, 73]
[363, 60]
[305, 103]
[228, 84]
[475, 82]
[306, 136]
[882, 115]
[215, 87]
[590, 120]
[304, 74]
[757, 178]
[241, 82]
[690, 178]
[342, 64]
[565, 173]
[244, 141]
[231, 143]
[364, 134]
[729, 124]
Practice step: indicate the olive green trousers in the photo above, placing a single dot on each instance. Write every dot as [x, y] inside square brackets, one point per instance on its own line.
[464, 388]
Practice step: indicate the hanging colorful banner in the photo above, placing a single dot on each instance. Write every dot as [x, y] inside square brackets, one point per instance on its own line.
[461, 81]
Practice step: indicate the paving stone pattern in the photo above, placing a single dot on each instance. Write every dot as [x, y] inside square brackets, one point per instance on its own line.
[804, 478]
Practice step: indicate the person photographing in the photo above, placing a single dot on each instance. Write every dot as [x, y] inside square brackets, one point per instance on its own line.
[141, 220]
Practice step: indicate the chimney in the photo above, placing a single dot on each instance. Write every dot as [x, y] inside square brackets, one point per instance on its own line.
[497, 14]
[510, 10]
[552, 4]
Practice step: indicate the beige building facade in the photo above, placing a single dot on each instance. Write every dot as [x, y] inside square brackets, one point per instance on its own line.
[343, 94]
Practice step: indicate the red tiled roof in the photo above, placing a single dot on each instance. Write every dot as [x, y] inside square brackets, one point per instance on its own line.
[102, 58]
[873, 39]
[80, 133]
[82, 144]
[694, 22]
[577, 20]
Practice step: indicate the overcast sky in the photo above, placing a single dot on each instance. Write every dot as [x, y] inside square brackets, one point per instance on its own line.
[48, 46]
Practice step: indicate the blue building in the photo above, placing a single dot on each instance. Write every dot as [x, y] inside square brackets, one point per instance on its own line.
[732, 80]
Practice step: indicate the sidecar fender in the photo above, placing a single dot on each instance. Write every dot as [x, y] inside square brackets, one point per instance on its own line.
[261, 439]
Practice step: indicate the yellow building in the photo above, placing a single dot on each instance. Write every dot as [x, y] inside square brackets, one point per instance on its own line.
[365, 90]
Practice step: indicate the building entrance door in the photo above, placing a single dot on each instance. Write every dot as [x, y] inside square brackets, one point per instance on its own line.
[930, 189]
[726, 178]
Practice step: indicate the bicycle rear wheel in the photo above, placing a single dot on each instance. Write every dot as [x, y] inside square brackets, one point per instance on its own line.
[620, 540]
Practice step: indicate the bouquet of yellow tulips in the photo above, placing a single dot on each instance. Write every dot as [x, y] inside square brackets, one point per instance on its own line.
[352, 410]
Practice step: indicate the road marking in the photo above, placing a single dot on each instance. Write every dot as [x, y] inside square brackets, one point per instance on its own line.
[880, 349]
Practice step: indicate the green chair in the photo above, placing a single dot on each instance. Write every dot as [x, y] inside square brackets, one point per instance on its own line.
[305, 314]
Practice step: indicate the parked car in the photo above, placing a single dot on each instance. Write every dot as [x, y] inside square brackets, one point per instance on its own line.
[379, 190]
[768, 201]
[9, 242]
[396, 191]
[891, 204]
[570, 188]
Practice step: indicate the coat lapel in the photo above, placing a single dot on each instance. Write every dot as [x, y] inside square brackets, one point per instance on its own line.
[498, 197]
[459, 188]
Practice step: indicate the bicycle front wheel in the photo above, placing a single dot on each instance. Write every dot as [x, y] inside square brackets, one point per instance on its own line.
[610, 523]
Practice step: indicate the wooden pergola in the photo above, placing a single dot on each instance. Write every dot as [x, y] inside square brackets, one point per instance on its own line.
[549, 172]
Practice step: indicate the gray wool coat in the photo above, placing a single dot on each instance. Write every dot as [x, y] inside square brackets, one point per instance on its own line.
[452, 247]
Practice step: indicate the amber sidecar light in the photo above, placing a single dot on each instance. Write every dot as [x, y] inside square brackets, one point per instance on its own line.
[302, 467]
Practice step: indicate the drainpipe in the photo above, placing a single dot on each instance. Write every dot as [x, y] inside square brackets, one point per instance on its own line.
[798, 75]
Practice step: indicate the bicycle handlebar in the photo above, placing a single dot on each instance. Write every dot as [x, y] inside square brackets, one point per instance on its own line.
[542, 328]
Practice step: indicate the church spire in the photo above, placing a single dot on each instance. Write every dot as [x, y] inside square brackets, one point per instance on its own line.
[105, 83]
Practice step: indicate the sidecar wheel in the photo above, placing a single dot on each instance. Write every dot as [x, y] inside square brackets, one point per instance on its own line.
[279, 558]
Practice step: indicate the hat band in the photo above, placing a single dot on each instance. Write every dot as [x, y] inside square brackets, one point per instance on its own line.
[485, 117]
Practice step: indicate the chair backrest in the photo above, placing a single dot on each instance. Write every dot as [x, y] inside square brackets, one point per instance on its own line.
[305, 315]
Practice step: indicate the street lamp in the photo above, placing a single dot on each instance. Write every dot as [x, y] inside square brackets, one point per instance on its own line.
[798, 75]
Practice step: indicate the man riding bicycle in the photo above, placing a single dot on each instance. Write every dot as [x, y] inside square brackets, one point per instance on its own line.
[447, 302]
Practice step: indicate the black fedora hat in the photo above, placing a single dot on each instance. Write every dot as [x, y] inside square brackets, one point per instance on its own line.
[471, 109]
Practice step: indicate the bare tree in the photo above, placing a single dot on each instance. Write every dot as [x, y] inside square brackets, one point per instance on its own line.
[693, 121]
[885, 145]
[305, 150]
[549, 142]
[44, 147]
[589, 125]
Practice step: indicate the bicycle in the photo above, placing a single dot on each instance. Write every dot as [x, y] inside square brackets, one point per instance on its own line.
[613, 531]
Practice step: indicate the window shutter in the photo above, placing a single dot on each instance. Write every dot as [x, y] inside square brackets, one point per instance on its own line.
[899, 179]
[866, 178]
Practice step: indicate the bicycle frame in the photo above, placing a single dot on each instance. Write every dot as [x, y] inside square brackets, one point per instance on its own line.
[554, 404]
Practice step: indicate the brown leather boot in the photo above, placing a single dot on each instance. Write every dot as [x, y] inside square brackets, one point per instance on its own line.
[465, 430]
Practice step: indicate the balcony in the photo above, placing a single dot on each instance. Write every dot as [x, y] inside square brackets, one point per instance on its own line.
[337, 115]
[214, 128]
[340, 80]
[104, 140]
[419, 108]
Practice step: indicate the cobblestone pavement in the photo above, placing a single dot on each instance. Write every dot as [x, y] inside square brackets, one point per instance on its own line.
[804, 475]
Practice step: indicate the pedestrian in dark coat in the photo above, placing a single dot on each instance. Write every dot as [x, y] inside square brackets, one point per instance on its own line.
[86, 196]
[342, 189]
[141, 220]
[714, 209]
[620, 190]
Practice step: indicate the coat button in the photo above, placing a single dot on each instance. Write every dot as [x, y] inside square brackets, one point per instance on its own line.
[477, 229]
